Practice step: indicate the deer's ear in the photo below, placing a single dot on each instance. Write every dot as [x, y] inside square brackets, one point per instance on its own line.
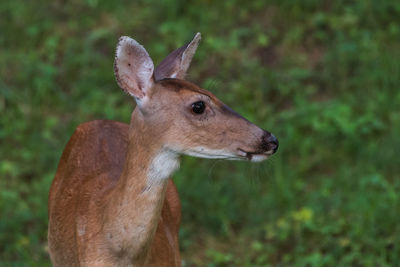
[177, 63]
[133, 68]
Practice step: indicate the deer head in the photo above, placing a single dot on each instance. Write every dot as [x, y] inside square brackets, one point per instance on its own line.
[179, 115]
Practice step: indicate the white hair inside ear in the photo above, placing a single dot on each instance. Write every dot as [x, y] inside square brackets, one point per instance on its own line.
[133, 68]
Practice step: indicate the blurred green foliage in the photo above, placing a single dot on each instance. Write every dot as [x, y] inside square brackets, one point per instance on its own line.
[324, 76]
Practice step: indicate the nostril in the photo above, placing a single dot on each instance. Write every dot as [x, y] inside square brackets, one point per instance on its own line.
[272, 143]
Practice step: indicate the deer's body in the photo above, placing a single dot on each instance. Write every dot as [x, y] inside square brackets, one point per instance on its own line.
[111, 202]
[89, 170]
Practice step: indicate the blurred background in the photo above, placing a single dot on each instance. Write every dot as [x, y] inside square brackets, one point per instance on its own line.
[323, 76]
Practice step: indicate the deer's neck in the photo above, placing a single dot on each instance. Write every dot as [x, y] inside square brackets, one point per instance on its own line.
[135, 204]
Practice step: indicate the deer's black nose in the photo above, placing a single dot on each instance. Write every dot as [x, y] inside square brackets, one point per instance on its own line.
[272, 143]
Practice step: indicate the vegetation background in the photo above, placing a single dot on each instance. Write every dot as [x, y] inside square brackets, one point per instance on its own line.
[324, 76]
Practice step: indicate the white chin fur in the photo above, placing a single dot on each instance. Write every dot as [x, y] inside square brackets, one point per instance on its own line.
[258, 158]
[201, 152]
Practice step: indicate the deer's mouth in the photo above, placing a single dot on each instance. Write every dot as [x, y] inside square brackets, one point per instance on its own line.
[255, 156]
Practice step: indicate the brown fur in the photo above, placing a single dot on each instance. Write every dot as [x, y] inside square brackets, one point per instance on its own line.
[101, 146]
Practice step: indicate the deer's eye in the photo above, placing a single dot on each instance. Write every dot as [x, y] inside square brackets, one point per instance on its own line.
[198, 107]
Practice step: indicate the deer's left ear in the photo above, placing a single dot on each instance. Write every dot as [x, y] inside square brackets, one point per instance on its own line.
[177, 63]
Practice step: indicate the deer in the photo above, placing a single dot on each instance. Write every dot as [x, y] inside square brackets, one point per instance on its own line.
[112, 201]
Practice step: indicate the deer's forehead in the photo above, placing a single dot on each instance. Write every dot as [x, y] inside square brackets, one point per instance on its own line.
[188, 89]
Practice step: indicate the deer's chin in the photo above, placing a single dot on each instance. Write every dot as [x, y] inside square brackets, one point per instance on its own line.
[254, 156]
[258, 157]
[203, 152]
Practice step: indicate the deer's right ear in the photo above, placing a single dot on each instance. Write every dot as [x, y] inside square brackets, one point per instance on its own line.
[133, 68]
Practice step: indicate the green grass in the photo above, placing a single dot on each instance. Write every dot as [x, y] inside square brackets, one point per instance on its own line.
[323, 76]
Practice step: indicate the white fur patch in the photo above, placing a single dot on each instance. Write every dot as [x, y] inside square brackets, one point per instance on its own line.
[81, 225]
[203, 152]
[162, 166]
[259, 158]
